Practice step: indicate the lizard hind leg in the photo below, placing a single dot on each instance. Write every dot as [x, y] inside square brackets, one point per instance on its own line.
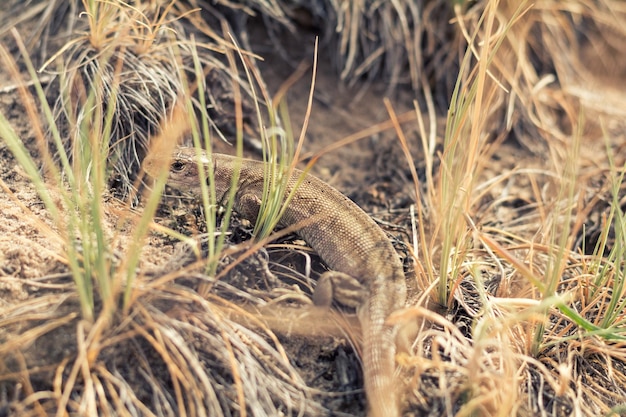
[340, 287]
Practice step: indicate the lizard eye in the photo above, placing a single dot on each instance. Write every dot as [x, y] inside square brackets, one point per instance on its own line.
[177, 166]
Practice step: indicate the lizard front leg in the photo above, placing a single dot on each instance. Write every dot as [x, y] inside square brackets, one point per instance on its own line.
[248, 205]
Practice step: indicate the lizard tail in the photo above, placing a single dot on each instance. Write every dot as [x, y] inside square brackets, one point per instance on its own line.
[379, 364]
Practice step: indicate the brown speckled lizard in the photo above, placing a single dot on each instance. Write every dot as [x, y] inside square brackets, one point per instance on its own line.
[366, 272]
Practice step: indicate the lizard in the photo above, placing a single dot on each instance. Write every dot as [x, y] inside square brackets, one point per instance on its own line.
[365, 271]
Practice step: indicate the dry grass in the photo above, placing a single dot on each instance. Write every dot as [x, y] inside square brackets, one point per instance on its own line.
[526, 261]
[540, 317]
[131, 334]
[185, 352]
[152, 48]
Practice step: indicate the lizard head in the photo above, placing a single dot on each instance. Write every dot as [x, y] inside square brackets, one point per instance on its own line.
[182, 167]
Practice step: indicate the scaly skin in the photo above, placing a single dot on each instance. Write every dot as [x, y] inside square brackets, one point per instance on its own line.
[366, 271]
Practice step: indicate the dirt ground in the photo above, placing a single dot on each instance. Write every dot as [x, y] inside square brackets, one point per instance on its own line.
[373, 172]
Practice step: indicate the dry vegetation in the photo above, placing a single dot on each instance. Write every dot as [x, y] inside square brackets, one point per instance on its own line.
[495, 164]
